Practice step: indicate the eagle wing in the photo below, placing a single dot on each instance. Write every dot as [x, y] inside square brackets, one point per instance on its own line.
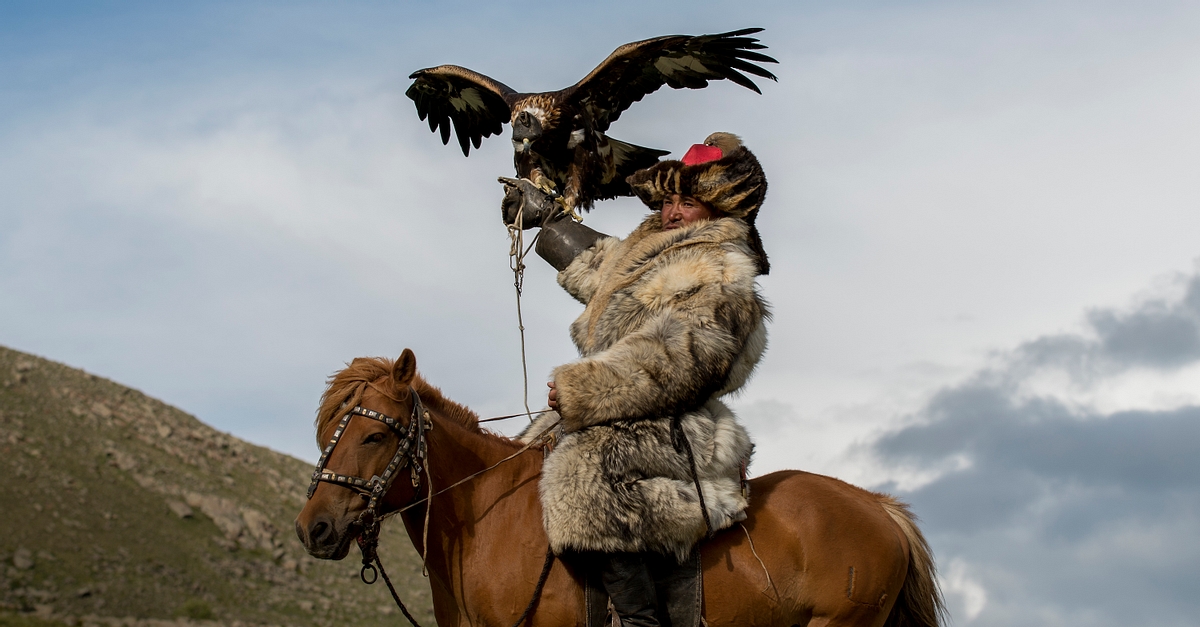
[626, 159]
[678, 61]
[478, 105]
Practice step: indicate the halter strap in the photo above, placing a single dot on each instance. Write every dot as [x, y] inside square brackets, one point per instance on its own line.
[411, 452]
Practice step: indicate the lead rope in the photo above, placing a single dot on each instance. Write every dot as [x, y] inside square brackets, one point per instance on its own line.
[537, 590]
[770, 584]
[516, 261]
[536, 440]
[425, 527]
[396, 597]
[428, 500]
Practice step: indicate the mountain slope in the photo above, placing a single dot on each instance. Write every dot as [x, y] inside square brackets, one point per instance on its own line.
[115, 504]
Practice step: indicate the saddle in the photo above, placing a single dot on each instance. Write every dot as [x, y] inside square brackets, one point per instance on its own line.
[679, 587]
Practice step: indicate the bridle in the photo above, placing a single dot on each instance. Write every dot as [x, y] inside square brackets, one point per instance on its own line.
[411, 453]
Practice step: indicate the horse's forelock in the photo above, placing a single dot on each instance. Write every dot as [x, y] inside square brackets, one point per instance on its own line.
[349, 382]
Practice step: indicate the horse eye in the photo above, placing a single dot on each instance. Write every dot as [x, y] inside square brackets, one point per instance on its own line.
[374, 438]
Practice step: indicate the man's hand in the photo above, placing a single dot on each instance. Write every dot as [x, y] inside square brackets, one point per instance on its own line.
[522, 195]
[569, 425]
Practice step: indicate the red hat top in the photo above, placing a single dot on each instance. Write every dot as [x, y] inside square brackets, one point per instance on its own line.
[701, 153]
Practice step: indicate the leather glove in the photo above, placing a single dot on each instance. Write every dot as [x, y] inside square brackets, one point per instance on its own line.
[521, 195]
[563, 239]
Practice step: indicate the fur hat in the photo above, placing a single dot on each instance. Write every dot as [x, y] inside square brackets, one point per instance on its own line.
[734, 183]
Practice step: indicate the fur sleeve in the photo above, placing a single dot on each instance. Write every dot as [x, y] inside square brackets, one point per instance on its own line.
[581, 278]
[672, 363]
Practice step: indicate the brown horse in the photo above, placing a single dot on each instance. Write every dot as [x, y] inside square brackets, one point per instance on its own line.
[814, 551]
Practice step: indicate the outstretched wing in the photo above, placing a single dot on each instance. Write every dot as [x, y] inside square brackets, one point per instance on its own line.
[678, 61]
[477, 105]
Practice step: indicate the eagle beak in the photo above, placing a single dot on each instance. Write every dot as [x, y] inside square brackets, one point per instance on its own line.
[525, 144]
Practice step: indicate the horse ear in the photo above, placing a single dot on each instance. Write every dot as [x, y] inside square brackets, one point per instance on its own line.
[405, 368]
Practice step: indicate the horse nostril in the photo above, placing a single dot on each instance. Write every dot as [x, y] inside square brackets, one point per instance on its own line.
[318, 532]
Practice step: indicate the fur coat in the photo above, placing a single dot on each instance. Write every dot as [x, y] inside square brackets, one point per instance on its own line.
[673, 321]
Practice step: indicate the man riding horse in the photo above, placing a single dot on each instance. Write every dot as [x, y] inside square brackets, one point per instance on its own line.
[649, 460]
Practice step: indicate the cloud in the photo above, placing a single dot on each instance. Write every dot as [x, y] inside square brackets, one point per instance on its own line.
[1062, 513]
[957, 581]
[227, 255]
[1159, 333]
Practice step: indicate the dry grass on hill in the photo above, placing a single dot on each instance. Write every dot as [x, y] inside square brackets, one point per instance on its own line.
[119, 509]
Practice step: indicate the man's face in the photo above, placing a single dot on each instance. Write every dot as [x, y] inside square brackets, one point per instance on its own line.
[680, 211]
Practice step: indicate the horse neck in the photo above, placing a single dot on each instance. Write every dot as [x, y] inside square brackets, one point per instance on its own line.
[455, 453]
[458, 449]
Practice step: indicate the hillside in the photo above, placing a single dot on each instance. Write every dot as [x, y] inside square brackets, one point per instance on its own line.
[119, 509]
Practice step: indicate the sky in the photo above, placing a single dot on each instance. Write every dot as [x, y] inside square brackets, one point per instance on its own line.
[982, 223]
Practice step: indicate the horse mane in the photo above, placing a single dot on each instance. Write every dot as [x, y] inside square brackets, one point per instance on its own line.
[345, 388]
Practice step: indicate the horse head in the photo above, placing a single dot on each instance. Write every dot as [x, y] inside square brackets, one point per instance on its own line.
[365, 412]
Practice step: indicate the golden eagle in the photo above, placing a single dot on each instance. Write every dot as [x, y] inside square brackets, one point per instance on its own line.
[560, 134]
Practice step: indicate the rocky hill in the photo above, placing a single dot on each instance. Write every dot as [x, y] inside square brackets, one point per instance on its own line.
[118, 509]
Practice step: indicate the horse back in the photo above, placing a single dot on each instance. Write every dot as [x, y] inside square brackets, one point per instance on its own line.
[812, 548]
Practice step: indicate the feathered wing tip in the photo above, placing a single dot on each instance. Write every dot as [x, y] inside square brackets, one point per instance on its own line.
[476, 105]
[741, 57]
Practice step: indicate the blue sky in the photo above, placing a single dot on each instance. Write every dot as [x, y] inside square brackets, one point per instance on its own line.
[981, 223]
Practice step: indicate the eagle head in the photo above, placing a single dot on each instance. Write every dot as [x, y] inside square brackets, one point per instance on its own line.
[527, 128]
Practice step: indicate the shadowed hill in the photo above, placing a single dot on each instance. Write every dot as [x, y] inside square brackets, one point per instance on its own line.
[116, 505]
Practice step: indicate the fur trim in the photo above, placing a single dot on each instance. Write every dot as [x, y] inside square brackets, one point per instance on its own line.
[735, 184]
[623, 487]
[581, 276]
[671, 313]
[747, 361]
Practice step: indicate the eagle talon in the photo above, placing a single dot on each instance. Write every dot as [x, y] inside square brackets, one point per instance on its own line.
[543, 182]
[524, 199]
[568, 209]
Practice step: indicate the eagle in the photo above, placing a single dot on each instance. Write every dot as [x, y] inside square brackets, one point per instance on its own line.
[559, 137]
